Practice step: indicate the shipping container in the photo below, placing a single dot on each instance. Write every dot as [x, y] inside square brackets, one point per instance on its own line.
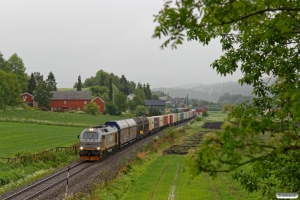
[171, 119]
[123, 130]
[151, 123]
[166, 120]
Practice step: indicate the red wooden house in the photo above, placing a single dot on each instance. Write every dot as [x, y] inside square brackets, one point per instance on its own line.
[28, 99]
[199, 110]
[73, 100]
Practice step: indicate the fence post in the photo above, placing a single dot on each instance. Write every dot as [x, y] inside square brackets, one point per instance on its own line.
[68, 181]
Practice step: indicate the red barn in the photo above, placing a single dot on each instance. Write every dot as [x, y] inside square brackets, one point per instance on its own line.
[28, 99]
[199, 110]
[72, 100]
[100, 103]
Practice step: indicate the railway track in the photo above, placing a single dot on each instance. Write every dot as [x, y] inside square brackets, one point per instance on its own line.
[36, 189]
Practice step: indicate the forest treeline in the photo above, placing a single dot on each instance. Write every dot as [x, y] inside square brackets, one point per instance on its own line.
[114, 90]
[14, 81]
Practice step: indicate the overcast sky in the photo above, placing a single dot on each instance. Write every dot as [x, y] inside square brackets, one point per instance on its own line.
[72, 38]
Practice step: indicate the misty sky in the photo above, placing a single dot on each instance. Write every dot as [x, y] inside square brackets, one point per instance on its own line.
[72, 38]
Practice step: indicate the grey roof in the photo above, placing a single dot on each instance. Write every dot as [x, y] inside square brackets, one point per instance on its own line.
[72, 95]
[155, 102]
[199, 108]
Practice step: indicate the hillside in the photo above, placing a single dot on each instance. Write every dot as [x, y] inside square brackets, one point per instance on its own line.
[209, 92]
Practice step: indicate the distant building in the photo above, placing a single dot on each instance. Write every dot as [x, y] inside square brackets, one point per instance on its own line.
[130, 96]
[159, 105]
[199, 110]
[28, 99]
[73, 100]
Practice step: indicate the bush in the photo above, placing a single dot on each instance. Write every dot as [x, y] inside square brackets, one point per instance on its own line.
[205, 114]
[92, 108]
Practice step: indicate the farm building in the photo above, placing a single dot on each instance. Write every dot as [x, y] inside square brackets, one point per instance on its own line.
[73, 100]
[28, 99]
[199, 110]
[130, 96]
[159, 105]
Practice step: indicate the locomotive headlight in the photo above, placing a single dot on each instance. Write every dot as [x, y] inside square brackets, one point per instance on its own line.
[81, 148]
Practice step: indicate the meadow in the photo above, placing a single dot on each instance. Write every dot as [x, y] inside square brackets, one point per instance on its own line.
[167, 178]
[18, 137]
[54, 118]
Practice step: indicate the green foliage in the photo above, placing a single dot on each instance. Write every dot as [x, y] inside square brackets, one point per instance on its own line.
[204, 113]
[111, 108]
[99, 90]
[227, 108]
[9, 90]
[51, 81]
[154, 97]
[234, 98]
[31, 84]
[259, 38]
[79, 84]
[91, 108]
[120, 100]
[153, 112]
[17, 67]
[140, 111]
[42, 94]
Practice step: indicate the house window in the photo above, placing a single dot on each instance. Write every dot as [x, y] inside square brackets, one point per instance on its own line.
[54, 108]
[78, 108]
[84, 102]
[65, 102]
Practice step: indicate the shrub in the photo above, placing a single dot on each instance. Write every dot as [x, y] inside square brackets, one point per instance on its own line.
[205, 114]
[92, 108]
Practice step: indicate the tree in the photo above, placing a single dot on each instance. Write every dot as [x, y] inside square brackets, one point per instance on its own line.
[138, 99]
[9, 89]
[153, 112]
[204, 113]
[111, 108]
[99, 90]
[79, 83]
[91, 108]
[140, 111]
[17, 67]
[259, 38]
[111, 91]
[42, 94]
[154, 97]
[38, 77]
[120, 102]
[51, 81]
[31, 84]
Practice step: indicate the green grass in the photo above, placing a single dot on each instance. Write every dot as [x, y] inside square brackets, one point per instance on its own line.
[18, 174]
[54, 118]
[16, 137]
[166, 178]
[216, 116]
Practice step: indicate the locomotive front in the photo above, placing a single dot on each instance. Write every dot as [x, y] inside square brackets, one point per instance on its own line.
[96, 142]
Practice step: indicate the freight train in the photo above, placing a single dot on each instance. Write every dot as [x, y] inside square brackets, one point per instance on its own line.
[97, 141]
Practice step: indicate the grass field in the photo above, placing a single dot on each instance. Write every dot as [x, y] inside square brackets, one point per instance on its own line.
[16, 137]
[54, 118]
[166, 178]
[216, 116]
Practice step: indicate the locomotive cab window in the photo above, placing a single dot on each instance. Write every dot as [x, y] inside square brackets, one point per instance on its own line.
[90, 135]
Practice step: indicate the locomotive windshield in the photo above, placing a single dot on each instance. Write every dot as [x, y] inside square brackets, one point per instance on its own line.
[90, 135]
